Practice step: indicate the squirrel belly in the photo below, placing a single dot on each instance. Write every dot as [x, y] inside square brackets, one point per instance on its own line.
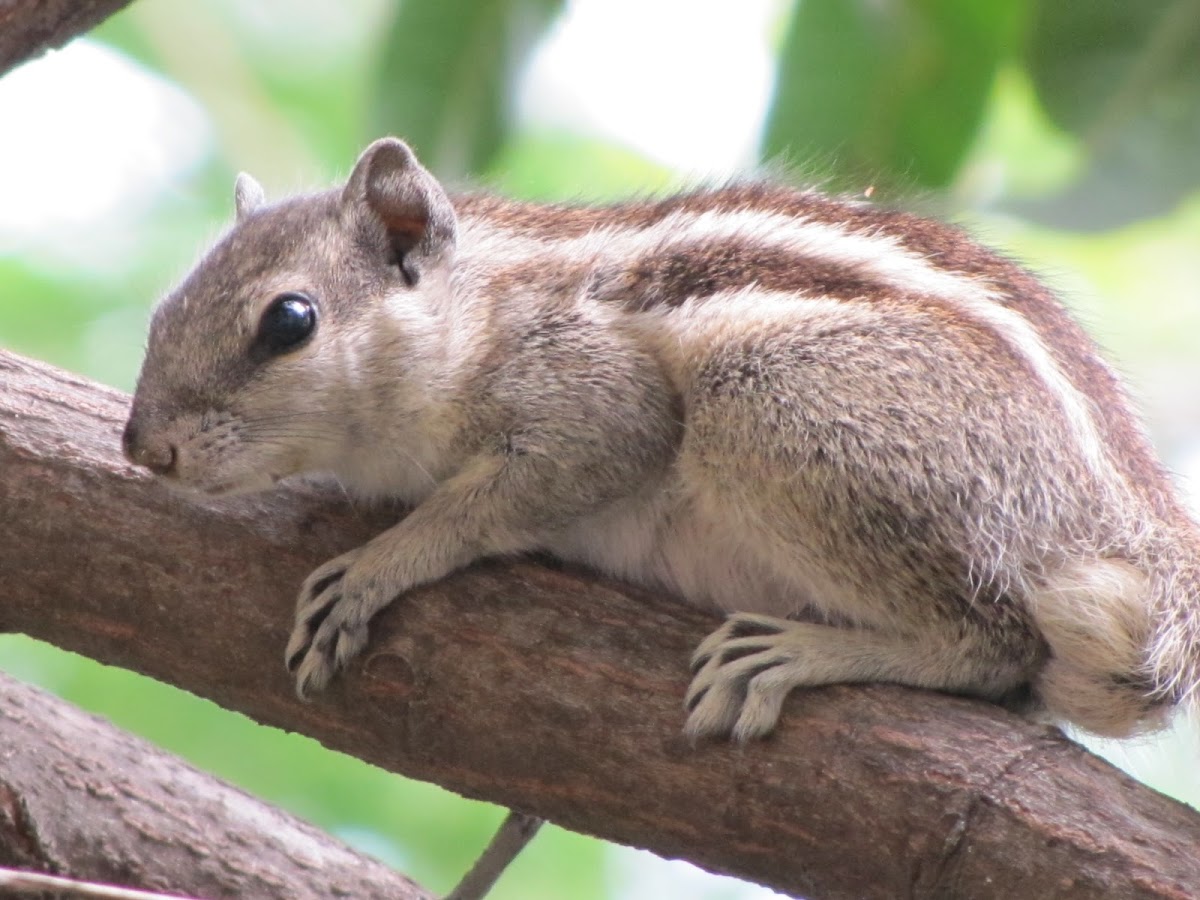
[885, 450]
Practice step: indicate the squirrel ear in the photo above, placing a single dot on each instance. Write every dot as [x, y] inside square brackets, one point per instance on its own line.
[406, 198]
[248, 195]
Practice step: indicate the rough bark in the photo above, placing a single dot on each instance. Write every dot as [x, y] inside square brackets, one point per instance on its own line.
[28, 28]
[555, 692]
[80, 797]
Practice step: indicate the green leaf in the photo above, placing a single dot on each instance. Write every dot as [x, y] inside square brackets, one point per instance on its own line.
[1124, 79]
[891, 91]
[447, 76]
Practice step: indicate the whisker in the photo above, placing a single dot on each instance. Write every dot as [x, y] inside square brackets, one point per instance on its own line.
[277, 429]
[285, 433]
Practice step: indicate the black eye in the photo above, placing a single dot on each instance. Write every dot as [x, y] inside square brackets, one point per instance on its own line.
[286, 324]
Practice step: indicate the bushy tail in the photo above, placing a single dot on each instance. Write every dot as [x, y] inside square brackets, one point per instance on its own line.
[1096, 616]
[1124, 639]
[1173, 656]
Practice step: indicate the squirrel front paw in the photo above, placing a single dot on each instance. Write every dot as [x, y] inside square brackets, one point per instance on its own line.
[331, 624]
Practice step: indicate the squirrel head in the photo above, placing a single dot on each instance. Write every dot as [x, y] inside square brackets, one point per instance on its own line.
[253, 362]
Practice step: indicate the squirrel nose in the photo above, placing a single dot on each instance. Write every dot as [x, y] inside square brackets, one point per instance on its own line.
[157, 456]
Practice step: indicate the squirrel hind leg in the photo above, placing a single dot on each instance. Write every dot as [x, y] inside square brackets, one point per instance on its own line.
[743, 672]
[1096, 617]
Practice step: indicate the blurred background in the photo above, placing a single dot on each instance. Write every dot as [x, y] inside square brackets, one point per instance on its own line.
[1066, 132]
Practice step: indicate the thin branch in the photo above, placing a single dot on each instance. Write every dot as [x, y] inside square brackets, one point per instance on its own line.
[555, 692]
[515, 832]
[16, 883]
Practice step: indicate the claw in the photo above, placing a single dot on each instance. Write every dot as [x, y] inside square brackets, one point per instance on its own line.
[317, 588]
[327, 633]
[294, 658]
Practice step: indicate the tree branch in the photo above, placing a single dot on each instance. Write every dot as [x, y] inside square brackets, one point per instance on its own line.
[28, 28]
[555, 692]
[80, 797]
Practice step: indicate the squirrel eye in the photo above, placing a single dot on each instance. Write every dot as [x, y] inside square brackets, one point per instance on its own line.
[286, 323]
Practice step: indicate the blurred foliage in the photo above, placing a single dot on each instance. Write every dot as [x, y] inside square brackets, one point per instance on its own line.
[1037, 120]
[448, 74]
[897, 92]
[1124, 80]
[886, 90]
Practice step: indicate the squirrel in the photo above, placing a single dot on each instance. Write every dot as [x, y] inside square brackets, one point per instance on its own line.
[885, 451]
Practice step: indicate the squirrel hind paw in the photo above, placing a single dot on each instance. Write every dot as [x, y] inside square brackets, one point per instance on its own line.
[738, 687]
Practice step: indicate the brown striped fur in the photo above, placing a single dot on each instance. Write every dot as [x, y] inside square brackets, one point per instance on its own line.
[886, 450]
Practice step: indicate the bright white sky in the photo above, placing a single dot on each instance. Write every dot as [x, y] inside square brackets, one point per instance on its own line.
[689, 87]
[89, 134]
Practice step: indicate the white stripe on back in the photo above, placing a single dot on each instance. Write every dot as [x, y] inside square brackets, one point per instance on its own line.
[879, 256]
